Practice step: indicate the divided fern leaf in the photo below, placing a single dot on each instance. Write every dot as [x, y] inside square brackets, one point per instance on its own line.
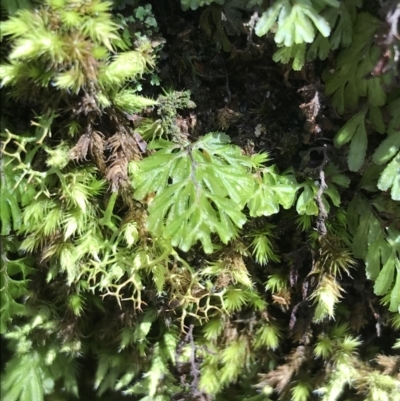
[200, 189]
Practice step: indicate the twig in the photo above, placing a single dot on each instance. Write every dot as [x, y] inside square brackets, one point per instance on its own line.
[228, 91]
[321, 228]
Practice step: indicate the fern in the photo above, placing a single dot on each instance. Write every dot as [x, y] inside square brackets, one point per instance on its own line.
[199, 189]
[348, 83]
[272, 190]
[295, 22]
[388, 150]
[205, 278]
[25, 378]
[354, 131]
[16, 191]
[10, 209]
[261, 245]
[13, 288]
[389, 178]
[195, 4]
[379, 248]
[341, 21]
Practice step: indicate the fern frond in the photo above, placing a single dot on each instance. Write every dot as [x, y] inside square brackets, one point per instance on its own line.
[200, 189]
[24, 376]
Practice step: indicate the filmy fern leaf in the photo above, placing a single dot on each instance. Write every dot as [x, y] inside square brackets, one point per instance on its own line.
[200, 189]
[296, 22]
[348, 83]
[271, 191]
[24, 379]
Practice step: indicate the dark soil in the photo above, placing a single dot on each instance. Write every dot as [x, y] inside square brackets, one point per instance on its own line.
[260, 104]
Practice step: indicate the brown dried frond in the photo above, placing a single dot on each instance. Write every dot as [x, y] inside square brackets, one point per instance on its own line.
[87, 104]
[282, 298]
[280, 377]
[93, 141]
[117, 173]
[80, 150]
[198, 292]
[123, 149]
[97, 145]
[222, 281]
[183, 125]
[233, 261]
[297, 358]
[391, 364]
[312, 108]
[230, 332]
[123, 144]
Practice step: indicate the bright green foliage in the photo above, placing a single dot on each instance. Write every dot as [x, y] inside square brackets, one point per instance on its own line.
[325, 24]
[192, 269]
[74, 55]
[307, 201]
[199, 189]
[16, 189]
[326, 296]
[187, 181]
[268, 336]
[34, 370]
[261, 245]
[295, 21]
[301, 391]
[272, 190]
[298, 23]
[26, 379]
[348, 84]
[341, 21]
[295, 52]
[340, 349]
[33, 375]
